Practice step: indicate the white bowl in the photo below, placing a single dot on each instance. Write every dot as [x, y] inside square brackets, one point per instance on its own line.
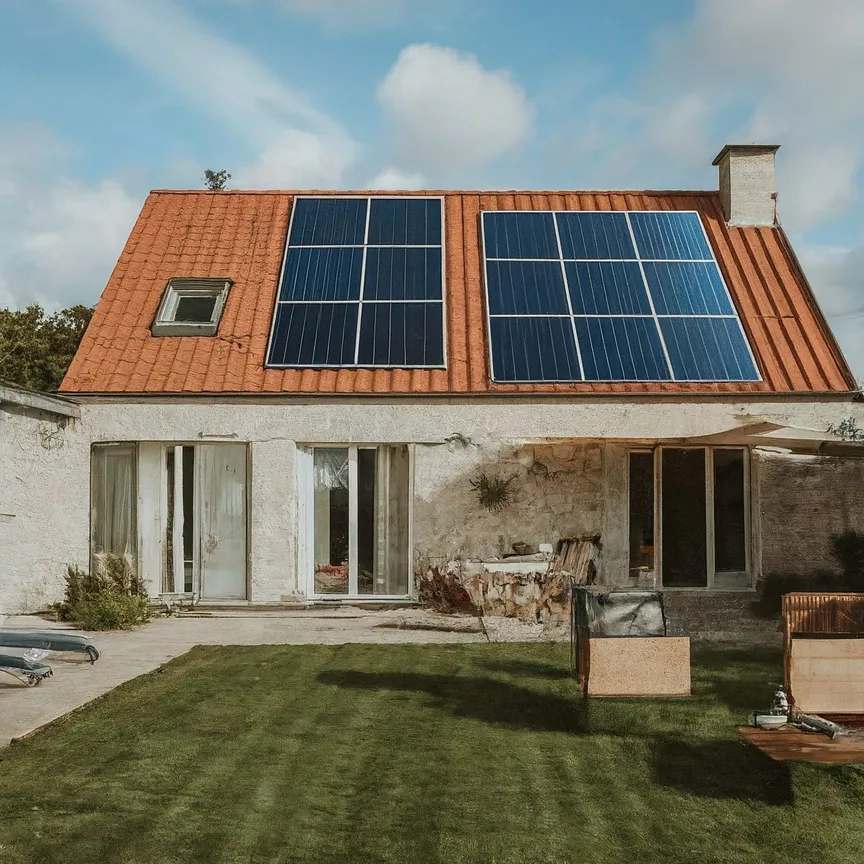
[772, 722]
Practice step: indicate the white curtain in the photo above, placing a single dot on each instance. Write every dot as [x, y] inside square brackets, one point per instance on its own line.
[113, 500]
[221, 489]
[391, 517]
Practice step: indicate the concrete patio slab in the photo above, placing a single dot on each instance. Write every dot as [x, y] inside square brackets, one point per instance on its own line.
[127, 654]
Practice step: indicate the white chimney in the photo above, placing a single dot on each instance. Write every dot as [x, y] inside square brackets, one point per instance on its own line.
[747, 183]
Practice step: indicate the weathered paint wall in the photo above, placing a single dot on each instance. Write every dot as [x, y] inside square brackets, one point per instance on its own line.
[802, 501]
[44, 506]
[51, 486]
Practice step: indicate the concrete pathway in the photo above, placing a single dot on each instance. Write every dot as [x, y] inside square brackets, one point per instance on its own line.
[125, 655]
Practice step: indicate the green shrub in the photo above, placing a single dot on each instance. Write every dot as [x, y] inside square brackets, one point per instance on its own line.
[111, 597]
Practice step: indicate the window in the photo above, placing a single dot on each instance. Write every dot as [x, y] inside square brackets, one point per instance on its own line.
[356, 533]
[113, 503]
[191, 307]
[702, 530]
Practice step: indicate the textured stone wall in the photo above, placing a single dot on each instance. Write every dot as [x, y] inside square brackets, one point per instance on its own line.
[802, 501]
[719, 616]
[557, 491]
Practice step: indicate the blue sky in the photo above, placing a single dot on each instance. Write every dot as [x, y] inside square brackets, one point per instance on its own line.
[102, 100]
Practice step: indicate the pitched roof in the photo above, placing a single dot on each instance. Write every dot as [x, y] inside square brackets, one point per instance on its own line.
[241, 236]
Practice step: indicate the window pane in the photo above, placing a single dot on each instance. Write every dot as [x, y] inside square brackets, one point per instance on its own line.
[595, 235]
[366, 521]
[331, 524]
[194, 310]
[683, 520]
[403, 274]
[641, 512]
[328, 222]
[519, 235]
[729, 517]
[391, 517]
[188, 516]
[405, 222]
[113, 502]
[607, 288]
[526, 288]
[322, 274]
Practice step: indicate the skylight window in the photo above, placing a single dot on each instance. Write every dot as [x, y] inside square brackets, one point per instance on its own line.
[191, 307]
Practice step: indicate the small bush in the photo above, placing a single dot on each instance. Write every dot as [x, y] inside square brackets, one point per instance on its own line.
[112, 597]
[847, 549]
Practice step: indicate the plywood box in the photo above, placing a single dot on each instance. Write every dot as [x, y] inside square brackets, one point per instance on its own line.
[640, 666]
[827, 675]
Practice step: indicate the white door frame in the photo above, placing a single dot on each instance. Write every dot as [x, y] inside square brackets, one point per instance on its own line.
[306, 524]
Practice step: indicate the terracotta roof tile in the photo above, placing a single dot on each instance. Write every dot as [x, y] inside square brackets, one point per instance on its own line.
[241, 236]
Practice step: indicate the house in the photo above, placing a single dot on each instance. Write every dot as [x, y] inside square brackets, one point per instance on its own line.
[302, 396]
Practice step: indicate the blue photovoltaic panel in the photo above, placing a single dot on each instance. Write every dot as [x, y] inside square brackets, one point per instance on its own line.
[534, 349]
[607, 288]
[402, 274]
[314, 334]
[595, 236]
[328, 222]
[405, 222]
[362, 284]
[526, 288]
[401, 334]
[670, 236]
[621, 349]
[707, 349]
[687, 288]
[322, 274]
[635, 296]
[520, 235]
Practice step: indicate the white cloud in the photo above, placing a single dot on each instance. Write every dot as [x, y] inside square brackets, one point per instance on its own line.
[61, 237]
[219, 78]
[446, 112]
[394, 178]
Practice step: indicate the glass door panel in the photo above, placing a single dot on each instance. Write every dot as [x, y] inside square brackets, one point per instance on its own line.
[331, 520]
[685, 547]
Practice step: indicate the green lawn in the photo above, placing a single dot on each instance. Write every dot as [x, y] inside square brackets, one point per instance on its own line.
[416, 754]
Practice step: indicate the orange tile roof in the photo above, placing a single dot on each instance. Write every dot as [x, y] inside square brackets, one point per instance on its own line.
[241, 235]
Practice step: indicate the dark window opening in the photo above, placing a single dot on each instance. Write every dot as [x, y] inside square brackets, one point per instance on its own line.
[685, 559]
[641, 512]
[195, 310]
[188, 516]
[730, 547]
[366, 525]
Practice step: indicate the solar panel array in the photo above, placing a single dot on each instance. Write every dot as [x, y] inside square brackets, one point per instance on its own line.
[609, 296]
[362, 285]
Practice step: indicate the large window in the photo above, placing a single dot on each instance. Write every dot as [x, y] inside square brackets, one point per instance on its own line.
[359, 515]
[113, 502]
[700, 496]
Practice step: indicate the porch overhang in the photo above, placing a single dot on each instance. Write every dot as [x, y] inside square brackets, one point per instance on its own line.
[766, 434]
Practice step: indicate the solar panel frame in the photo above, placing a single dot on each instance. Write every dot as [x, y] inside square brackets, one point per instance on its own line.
[657, 317]
[361, 301]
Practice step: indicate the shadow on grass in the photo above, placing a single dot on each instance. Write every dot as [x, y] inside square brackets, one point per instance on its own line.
[720, 769]
[713, 768]
[528, 668]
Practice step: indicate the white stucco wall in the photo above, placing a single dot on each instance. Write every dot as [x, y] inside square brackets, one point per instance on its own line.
[46, 491]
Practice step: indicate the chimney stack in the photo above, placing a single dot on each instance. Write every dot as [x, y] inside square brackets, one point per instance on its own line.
[747, 183]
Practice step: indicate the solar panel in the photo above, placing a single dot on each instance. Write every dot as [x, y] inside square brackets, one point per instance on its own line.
[362, 284]
[609, 296]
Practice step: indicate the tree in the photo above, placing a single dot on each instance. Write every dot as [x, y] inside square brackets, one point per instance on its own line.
[215, 181]
[35, 349]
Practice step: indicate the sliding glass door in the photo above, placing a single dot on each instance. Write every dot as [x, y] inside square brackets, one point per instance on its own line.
[357, 524]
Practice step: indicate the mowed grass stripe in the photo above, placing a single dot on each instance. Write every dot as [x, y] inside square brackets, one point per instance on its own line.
[364, 753]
